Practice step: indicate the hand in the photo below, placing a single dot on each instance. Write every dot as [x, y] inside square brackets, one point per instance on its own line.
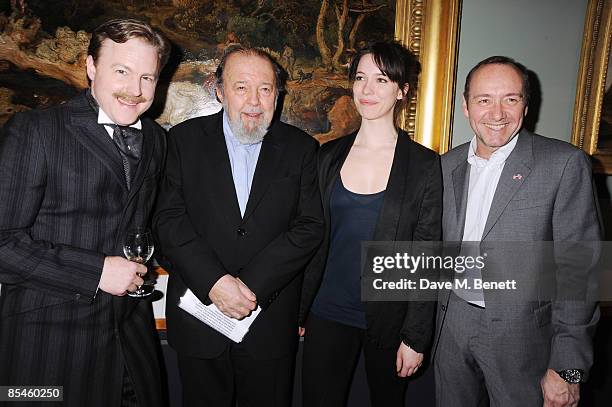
[246, 291]
[120, 275]
[232, 297]
[301, 331]
[407, 361]
[557, 392]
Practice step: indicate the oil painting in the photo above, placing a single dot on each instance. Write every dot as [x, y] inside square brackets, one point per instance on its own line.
[43, 47]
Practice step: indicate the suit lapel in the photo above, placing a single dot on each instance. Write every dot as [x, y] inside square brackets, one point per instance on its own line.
[218, 172]
[148, 147]
[388, 219]
[329, 179]
[267, 163]
[516, 170]
[461, 177]
[94, 137]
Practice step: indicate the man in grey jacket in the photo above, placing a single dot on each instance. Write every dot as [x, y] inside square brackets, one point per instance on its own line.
[509, 185]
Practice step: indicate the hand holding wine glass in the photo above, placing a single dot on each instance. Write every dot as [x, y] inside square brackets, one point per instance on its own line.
[138, 247]
[120, 275]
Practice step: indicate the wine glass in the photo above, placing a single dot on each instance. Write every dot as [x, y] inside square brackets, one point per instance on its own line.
[138, 247]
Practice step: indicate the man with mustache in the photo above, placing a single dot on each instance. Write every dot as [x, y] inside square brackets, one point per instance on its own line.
[238, 218]
[532, 347]
[73, 180]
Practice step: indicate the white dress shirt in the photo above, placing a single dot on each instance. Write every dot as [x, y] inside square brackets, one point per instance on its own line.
[484, 176]
[105, 120]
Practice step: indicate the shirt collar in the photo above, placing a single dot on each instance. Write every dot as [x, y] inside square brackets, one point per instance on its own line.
[104, 119]
[499, 156]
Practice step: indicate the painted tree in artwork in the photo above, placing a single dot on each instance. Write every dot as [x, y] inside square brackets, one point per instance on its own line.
[349, 17]
[18, 6]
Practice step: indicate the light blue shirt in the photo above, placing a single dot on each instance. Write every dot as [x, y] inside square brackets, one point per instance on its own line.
[243, 160]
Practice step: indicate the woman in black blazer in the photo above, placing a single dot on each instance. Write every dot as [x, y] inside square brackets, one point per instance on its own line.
[376, 184]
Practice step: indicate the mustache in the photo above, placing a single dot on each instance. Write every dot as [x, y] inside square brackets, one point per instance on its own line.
[129, 98]
[252, 111]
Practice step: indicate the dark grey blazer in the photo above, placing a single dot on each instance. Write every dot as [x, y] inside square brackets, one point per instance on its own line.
[411, 211]
[64, 207]
[545, 193]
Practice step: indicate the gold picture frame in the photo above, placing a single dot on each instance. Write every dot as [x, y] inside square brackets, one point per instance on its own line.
[591, 86]
[430, 28]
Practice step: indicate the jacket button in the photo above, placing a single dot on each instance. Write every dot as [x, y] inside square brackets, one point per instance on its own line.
[443, 307]
[77, 297]
[241, 232]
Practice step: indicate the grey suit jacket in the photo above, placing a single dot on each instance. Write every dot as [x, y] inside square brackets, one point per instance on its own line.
[545, 193]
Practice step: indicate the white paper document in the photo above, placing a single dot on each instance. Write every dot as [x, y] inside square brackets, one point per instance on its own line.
[209, 314]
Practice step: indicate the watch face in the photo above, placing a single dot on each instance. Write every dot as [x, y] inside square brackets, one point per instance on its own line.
[571, 375]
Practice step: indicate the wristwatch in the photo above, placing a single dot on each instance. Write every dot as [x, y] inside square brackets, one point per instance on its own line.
[573, 376]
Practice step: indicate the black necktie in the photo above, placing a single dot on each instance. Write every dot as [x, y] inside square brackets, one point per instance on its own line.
[129, 143]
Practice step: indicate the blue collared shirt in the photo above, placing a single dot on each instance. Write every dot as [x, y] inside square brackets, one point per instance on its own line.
[243, 160]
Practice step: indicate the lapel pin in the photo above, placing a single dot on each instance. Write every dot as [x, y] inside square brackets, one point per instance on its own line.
[517, 176]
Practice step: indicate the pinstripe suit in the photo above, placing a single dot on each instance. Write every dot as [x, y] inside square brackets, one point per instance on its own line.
[64, 207]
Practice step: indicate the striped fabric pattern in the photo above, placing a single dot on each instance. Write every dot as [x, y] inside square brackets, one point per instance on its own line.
[64, 206]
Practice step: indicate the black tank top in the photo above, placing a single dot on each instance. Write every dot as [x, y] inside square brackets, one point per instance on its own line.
[353, 220]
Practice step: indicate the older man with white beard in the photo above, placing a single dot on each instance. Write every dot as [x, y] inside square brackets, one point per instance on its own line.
[238, 218]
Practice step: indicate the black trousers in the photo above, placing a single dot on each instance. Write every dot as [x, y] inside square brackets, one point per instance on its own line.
[331, 353]
[236, 376]
[128, 394]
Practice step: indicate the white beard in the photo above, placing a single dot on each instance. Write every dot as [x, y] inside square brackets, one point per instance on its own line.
[244, 135]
